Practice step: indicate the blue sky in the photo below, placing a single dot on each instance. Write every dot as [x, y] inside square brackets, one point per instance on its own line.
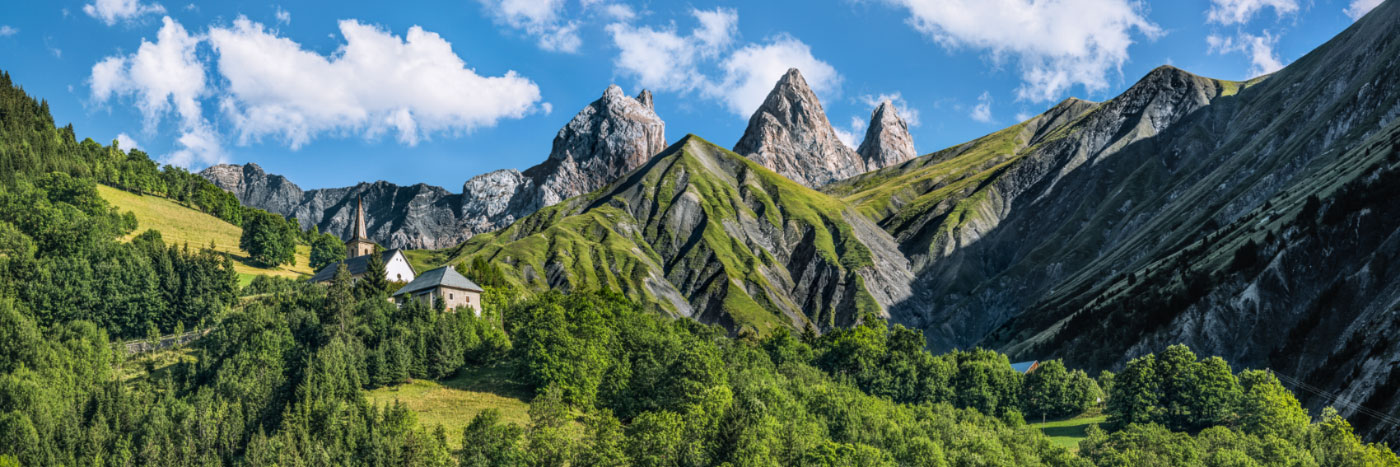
[333, 93]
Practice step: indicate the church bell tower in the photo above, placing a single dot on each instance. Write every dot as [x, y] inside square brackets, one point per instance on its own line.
[359, 244]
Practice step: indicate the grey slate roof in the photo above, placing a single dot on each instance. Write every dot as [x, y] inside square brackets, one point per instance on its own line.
[356, 265]
[443, 276]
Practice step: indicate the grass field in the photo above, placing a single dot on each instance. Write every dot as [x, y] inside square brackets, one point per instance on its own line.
[179, 224]
[1068, 432]
[453, 402]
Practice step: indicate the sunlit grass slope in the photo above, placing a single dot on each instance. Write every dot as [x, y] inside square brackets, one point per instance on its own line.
[179, 224]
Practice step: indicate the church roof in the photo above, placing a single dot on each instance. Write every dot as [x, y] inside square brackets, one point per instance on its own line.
[444, 276]
[357, 265]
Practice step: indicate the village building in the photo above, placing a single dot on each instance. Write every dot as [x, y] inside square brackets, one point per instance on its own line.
[444, 285]
[359, 250]
[1025, 367]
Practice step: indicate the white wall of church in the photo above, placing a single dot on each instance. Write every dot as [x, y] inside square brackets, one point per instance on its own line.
[398, 269]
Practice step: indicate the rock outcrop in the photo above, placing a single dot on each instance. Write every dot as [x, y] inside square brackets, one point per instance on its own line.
[791, 135]
[887, 140]
[611, 136]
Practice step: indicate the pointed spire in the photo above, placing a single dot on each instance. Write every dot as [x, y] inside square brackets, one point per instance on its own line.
[360, 219]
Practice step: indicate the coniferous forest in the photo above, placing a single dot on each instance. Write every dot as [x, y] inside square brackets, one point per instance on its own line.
[279, 378]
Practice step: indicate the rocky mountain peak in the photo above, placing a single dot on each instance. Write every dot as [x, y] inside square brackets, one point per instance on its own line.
[608, 138]
[791, 135]
[887, 139]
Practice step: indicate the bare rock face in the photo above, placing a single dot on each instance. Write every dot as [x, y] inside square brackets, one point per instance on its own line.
[887, 140]
[608, 138]
[254, 187]
[791, 135]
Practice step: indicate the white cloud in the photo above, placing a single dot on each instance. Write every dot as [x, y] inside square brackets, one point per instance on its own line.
[1359, 8]
[283, 16]
[113, 11]
[165, 76]
[982, 112]
[619, 12]
[198, 146]
[7, 30]
[857, 125]
[375, 83]
[1229, 12]
[701, 61]
[162, 76]
[905, 111]
[1056, 43]
[664, 60]
[750, 73]
[1260, 50]
[543, 19]
[125, 142]
[1023, 116]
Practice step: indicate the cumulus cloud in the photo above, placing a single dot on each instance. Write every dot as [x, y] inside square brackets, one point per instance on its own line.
[750, 73]
[982, 112]
[543, 19]
[665, 60]
[162, 76]
[1229, 12]
[705, 60]
[1359, 8]
[1259, 49]
[112, 12]
[125, 142]
[7, 31]
[1057, 44]
[375, 83]
[905, 111]
[197, 146]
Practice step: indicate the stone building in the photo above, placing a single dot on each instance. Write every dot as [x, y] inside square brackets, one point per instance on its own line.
[443, 284]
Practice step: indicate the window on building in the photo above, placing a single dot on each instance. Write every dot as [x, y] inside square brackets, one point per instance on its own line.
[449, 296]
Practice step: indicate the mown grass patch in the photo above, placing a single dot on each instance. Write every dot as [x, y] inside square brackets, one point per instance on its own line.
[1069, 432]
[453, 402]
[181, 225]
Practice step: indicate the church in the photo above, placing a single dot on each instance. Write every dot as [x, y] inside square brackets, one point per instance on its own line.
[358, 251]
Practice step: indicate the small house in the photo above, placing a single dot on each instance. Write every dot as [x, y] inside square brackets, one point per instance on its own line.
[1025, 367]
[444, 285]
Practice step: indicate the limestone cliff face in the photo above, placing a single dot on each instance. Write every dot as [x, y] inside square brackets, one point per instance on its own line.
[608, 138]
[791, 135]
[887, 140]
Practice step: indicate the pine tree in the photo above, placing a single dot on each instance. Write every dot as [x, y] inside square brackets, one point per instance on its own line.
[376, 280]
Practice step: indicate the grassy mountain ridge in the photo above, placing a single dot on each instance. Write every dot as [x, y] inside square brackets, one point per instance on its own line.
[700, 231]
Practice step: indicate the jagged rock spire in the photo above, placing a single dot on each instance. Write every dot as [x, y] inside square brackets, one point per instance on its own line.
[791, 135]
[887, 140]
[608, 138]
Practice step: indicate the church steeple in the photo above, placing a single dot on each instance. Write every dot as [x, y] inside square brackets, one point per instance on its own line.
[359, 244]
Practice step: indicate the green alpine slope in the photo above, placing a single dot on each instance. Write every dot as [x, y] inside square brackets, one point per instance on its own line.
[700, 231]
